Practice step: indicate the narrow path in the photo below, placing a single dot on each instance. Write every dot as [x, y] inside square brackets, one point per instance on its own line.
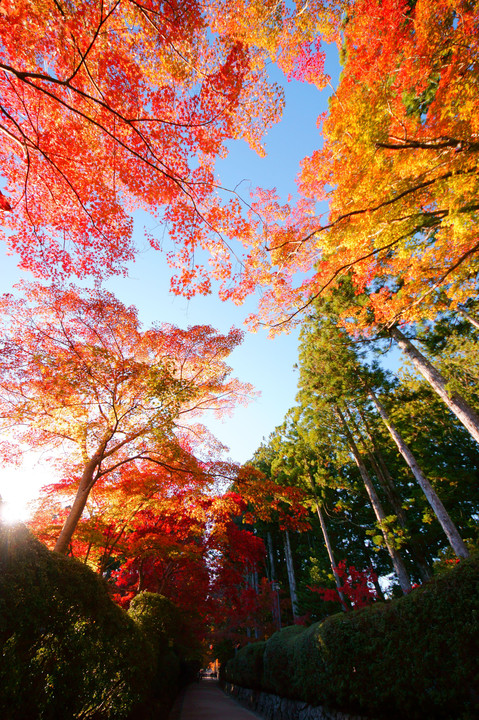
[206, 701]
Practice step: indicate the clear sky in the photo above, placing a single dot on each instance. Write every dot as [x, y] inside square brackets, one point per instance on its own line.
[266, 364]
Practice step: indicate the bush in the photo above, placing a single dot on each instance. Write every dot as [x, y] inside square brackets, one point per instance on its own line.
[280, 661]
[247, 666]
[67, 650]
[165, 627]
[414, 657]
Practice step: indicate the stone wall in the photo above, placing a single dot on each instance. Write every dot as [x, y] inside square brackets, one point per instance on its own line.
[274, 707]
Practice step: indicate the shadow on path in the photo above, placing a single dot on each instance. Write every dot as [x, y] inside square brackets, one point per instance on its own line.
[205, 700]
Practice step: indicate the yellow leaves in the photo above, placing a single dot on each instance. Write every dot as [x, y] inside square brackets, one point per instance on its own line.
[253, 22]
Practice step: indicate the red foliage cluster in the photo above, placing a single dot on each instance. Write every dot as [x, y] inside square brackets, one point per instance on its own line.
[357, 586]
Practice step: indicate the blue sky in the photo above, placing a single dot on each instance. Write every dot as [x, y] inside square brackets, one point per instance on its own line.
[266, 364]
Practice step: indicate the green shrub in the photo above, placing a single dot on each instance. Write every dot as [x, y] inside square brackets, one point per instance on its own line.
[161, 623]
[224, 650]
[159, 619]
[67, 650]
[280, 661]
[173, 631]
[246, 668]
[414, 657]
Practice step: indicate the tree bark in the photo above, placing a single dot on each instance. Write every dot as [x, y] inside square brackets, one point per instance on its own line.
[272, 570]
[394, 499]
[396, 559]
[469, 318]
[329, 548]
[69, 526]
[433, 499]
[455, 402]
[274, 584]
[377, 586]
[384, 476]
[291, 577]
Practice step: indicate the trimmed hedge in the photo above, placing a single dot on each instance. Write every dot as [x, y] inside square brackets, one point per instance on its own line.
[279, 658]
[246, 667]
[68, 651]
[414, 657]
[169, 630]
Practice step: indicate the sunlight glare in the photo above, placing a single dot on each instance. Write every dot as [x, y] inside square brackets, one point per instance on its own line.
[12, 512]
[19, 486]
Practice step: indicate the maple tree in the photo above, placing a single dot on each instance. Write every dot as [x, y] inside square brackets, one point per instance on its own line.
[165, 551]
[148, 93]
[146, 528]
[356, 585]
[106, 107]
[242, 597]
[133, 495]
[397, 167]
[79, 373]
[237, 564]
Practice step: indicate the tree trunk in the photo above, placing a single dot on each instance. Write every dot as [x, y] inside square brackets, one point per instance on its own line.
[455, 402]
[377, 586]
[396, 559]
[384, 476]
[291, 577]
[70, 524]
[394, 499]
[254, 584]
[272, 570]
[88, 479]
[329, 548]
[469, 318]
[433, 499]
[274, 585]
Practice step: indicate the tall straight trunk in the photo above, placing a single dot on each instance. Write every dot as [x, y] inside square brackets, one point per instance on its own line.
[272, 570]
[254, 583]
[394, 499]
[433, 499]
[329, 548]
[396, 559]
[382, 472]
[469, 318]
[274, 585]
[413, 546]
[291, 576]
[455, 402]
[377, 586]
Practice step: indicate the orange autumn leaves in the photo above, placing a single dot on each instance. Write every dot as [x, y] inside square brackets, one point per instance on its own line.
[398, 167]
[106, 108]
[98, 120]
[79, 376]
[110, 107]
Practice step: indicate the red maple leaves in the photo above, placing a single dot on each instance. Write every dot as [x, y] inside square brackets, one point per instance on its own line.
[356, 585]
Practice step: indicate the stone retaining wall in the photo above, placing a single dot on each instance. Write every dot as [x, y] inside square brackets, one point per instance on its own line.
[274, 707]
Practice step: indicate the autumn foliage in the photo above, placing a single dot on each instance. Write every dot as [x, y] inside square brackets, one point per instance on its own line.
[98, 120]
[107, 108]
[397, 167]
[78, 373]
[356, 585]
